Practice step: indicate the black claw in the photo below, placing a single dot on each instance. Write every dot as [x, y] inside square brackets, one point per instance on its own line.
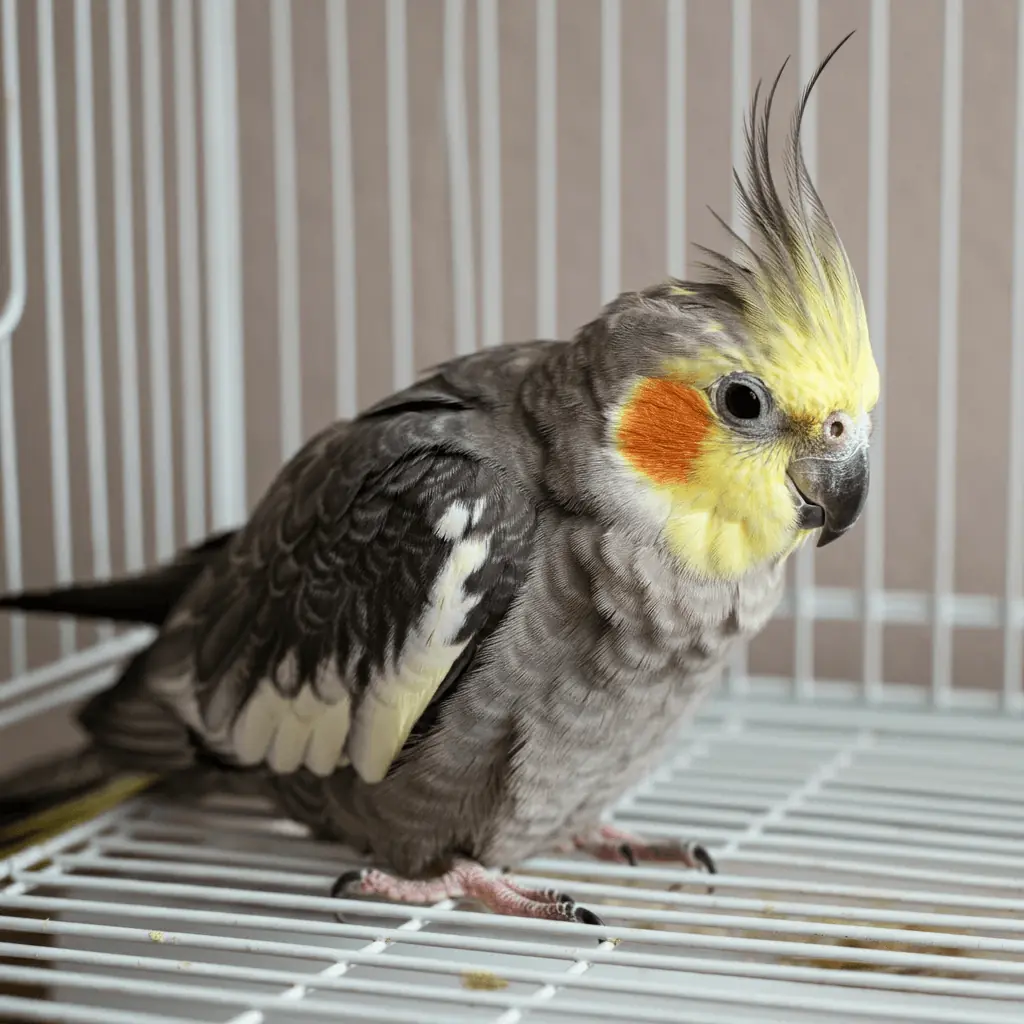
[345, 880]
[584, 916]
[341, 883]
[703, 857]
[627, 852]
[559, 897]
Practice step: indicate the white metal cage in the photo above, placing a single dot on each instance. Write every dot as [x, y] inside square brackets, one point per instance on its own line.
[375, 162]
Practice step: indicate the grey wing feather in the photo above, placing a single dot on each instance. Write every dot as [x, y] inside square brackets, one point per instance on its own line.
[349, 605]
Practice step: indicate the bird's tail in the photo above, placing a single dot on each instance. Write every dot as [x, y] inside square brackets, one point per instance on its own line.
[49, 797]
[137, 599]
[145, 598]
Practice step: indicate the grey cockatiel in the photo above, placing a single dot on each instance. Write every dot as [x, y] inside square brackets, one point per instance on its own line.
[456, 629]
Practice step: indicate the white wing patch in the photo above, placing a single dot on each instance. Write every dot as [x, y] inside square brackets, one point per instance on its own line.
[289, 733]
[452, 525]
[396, 699]
[317, 730]
[256, 724]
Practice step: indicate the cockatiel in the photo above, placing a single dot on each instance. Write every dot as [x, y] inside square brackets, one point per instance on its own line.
[458, 627]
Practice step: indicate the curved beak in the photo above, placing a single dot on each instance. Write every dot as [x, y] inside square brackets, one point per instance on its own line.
[832, 490]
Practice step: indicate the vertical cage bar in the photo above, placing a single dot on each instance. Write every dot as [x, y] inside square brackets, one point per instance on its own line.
[460, 198]
[872, 612]
[675, 135]
[223, 264]
[289, 343]
[346, 397]
[96, 441]
[611, 149]
[489, 72]
[14, 304]
[11, 495]
[9, 318]
[949, 284]
[547, 169]
[398, 195]
[190, 290]
[803, 563]
[741, 47]
[57, 395]
[124, 261]
[162, 451]
[1013, 662]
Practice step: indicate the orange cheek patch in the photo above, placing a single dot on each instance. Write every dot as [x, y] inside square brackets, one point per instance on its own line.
[662, 428]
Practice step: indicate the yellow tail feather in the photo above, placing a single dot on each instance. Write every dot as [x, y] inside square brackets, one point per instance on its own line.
[54, 820]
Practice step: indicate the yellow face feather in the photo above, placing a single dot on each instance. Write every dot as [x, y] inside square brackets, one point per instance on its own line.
[731, 504]
[796, 322]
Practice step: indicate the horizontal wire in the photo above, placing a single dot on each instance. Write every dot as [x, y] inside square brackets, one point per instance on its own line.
[419, 964]
[261, 877]
[678, 940]
[70, 1013]
[394, 989]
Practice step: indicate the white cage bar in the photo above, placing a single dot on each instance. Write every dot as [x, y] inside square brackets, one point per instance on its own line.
[9, 317]
[878, 191]
[868, 828]
[223, 258]
[740, 106]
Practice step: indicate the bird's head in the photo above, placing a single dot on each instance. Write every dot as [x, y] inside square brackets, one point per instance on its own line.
[749, 420]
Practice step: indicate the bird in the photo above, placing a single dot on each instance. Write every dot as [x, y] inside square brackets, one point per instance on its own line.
[459, 626]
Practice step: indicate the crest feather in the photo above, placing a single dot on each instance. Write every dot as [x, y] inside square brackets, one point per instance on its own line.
[794, 277]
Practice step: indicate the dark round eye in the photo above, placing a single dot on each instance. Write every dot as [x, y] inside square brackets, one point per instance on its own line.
[742, 401]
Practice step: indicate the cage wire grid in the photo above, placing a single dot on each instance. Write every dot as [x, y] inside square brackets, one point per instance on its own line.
[868, 835]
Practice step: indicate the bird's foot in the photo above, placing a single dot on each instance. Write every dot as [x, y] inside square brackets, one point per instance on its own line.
[610, 843]
[469, 880]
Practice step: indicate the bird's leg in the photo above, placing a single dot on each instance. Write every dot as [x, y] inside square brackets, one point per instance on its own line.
[465, 879]
[610, 843]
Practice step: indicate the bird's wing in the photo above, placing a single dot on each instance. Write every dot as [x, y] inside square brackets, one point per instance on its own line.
[357, 594]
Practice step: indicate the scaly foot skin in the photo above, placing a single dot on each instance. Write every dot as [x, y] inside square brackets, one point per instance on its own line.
[466, 879]
[610, 843]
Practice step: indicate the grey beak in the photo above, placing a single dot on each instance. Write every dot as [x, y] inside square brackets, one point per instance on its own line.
[833, 490]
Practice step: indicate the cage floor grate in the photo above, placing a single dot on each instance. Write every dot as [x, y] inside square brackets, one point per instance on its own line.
[871, 871]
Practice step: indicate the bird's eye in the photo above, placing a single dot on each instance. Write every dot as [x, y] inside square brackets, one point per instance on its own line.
[742, 401]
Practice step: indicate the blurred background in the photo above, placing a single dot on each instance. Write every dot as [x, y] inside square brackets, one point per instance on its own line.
[417, 179]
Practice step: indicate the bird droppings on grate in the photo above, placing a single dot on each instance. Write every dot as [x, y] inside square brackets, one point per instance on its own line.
[483, 981]
[895, 947]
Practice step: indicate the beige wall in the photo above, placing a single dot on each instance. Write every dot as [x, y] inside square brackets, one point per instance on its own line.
[915, 137]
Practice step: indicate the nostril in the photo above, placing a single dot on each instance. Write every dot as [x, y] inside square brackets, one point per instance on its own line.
[837, 427]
